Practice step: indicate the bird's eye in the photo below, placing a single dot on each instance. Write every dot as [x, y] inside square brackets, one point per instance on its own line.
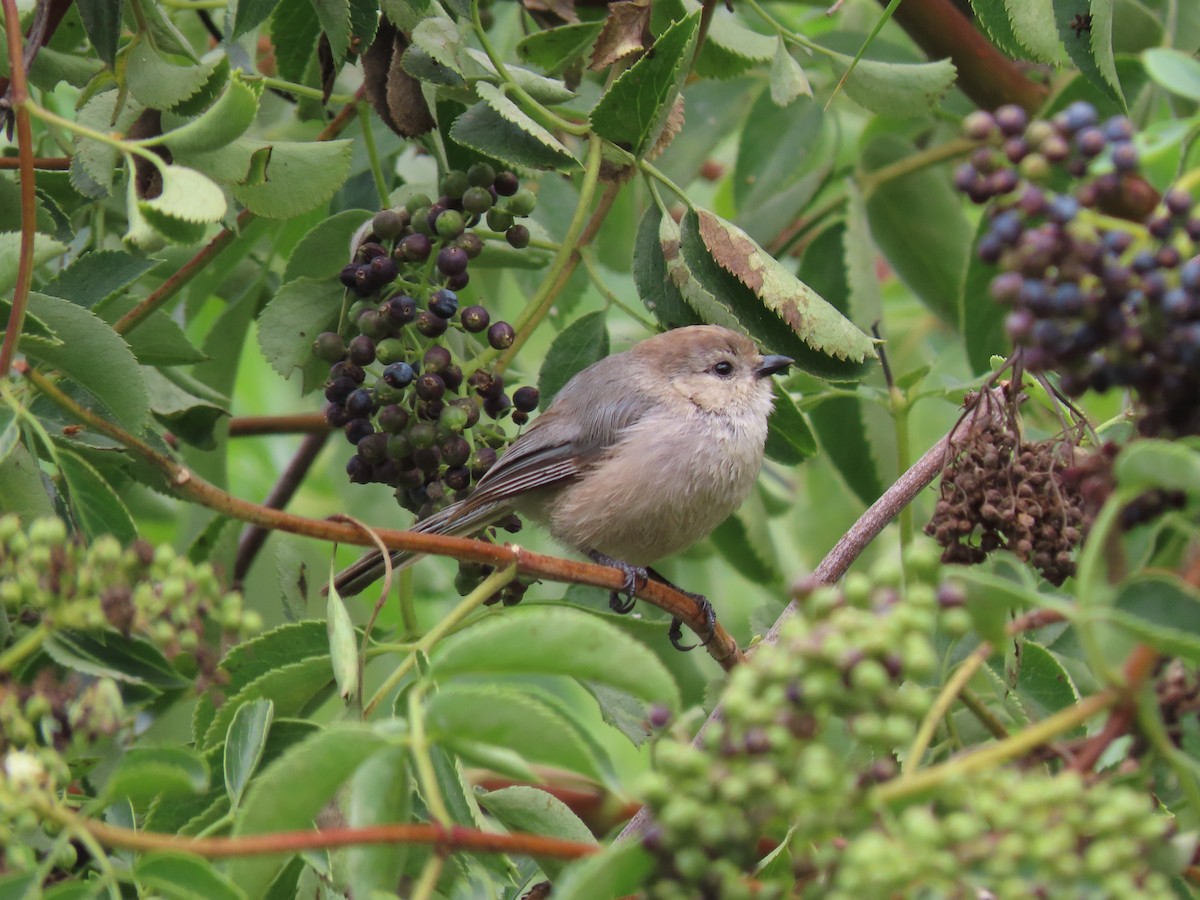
[724, 368]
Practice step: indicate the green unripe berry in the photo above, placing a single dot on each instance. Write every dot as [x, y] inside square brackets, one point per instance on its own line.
[454, 183]
[481, 174]
[522, 203]
[388, 224]
[48, 532]
[449, 224]
[416, 202]
[390, 350]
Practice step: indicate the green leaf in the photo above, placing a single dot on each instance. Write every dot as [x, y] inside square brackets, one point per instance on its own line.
[1163, 611]
[108, 370]
[1173, 70]
[1090, 49]
[928, 251]
[1034, 29]
[98, 275]
[190, 418]
[510, 112]
[143, 774]
[654, 285]
[157, 83]
[106, 654]
[459, 715]
[570, 643]
[22, 490]
[777, 148]
[44, 249]
[316, 254]
[244, 745]
[181, 876]
[1149, 464]
[187, 196]
[622, 869]
[730, 48]
[1043, 685]
[777, 308]
[157, 340]
[789, 439]
[10, 432]
[531, 811]
[554, 49]
[294, 317]
[550, 91]
[248, 14]
[102, 22]
[839, 423]
[380, 793]
[222, 123]
[300, 176]
[334, 16]
[981, 318]
[292, 790]
[96, 508]
[343, 648]
[745, 541]
[484, 129]
[993, 16]
[633, 111]
[438, 37]
[289, 687]
[576, 347]
[294, 34]
[682, 278]
[788, 80]
[864, 302]
[895, 89]
[95, 164]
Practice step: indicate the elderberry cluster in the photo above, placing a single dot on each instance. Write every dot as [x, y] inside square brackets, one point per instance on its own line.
[999, 493]
[394, 386]
[1103, 303]
[845, 671]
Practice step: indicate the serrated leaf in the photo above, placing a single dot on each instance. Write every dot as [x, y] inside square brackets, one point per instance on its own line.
[788, 80]
[343, 648]
[895, 89]
[864, 302]
[1043, 686]
[633, 111]
[108, 371]
[289, 687]
[157, 340]
[438, 37]
[326, 248]
[97, 161]
[181, 876]
[186, 195]
[1090, 49]
[789, 439]
[380, 793]
[102, 22]
[157, 83]
[495, 98]
[144, 773]
[1033, 27]
[929, 251]
[483, 129]
[292, 790]
[992, 15]
[190, 418]
[300, 176]
[528, 810]
[570, 643]
[244, 745]
[576, 347]
[458, 716]
[96, 508]
[249, 14]
[818, 326]
[219, 125]
[550, 91]
[106, 654]
[22, 490]
[97, 275]
[44, 249]
[334, 16]
[1173, 70]
[554, 49]
[294, 34]
[654, 285]
[698, 295]
[294, 317]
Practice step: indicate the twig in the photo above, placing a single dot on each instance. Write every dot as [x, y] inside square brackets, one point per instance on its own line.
[300, 423]
[46, 163]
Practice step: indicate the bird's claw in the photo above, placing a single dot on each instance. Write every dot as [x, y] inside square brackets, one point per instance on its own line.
[675, 632]
[633, 576]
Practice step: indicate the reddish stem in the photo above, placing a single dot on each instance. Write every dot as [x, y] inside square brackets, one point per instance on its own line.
[253, 426]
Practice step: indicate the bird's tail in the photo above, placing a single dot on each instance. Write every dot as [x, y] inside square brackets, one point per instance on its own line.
[457, 520]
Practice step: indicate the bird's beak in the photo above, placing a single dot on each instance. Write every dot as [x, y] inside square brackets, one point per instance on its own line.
[772, 364]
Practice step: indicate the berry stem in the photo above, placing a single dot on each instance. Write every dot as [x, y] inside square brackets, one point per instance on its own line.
[941, 707]
[422, 762]
[364, 121]
[871, 181]
[29, 643]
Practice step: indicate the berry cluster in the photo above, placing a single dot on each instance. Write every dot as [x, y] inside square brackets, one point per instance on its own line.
[178, 606]
[1001, 494]
[777, 758]
[1103, 302]
[1010, 833]
[394, 386]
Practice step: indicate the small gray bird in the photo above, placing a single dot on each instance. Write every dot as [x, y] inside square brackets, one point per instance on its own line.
[640, 455]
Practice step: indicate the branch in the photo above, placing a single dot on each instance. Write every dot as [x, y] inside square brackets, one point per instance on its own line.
[190, 486]
[253, 426]
[47, 163]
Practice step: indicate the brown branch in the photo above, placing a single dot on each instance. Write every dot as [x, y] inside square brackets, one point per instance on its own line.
[186, 484]
[255, 536]
[1139, 666]
[301, 423]
[46, 163]
[20, 96]
[446, 840]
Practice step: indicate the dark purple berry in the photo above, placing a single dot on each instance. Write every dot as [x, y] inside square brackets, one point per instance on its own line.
[457, 479]
[364, 281]
[371, 250]
[373, 448]
[965, 177]
[501, 336]
[979, 126]
[1178, 202]
[475, 319]
[430, 387]
[1125, 157]
[338, 389]
[497, 407]
[1118, 128]
[481, 460]
[347, 369]
[428, 459]
[517, 236]
[471, 243]
[1091, 142]
[486, 384]
[1011, 119]
[430, 410]
[414, 248]
[389, 224]
[400, 308]
[443, 303]
[398, 375]
[357, 429]
[431, 325]
[456, 451]
[470, 407]
[506, 184]
[348, 275]
[453, 377]
[525, 398]
[359, 403]
[519, 418]
[459, 281]
[393, 418]
[452, 260]
[358, 470]
[361, 351]
[436, 359]
[1062, 209]
[336, 415]
[1077, 116]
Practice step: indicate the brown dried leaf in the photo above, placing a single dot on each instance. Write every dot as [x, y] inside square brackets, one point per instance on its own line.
[560, 9]
[671, 128]
[148, 181]
[395, 95]
[623, 33]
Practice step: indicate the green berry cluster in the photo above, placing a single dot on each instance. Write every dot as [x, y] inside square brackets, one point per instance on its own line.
[1010, 833]
[50, 579]
[810, 723]
[30, 780]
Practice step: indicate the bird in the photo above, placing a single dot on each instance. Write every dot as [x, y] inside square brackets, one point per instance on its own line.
[638, 456]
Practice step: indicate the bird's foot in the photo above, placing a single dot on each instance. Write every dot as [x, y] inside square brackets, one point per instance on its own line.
[633, 576]
[675, 632]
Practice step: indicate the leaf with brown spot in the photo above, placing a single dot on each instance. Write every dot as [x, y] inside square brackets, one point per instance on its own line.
[769, 302]
[622, 34]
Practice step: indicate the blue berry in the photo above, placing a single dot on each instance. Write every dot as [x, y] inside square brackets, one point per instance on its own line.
[359, 403]
[444, 303]
[1078, 115]
[1062, 209]
[1189, 274]
[1007, 227]
[398, 375]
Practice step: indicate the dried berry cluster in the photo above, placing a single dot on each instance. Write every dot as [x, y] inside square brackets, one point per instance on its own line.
[775, 764]
[1104, 304]
[999, 493]
[394, 386]
[152, 593]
